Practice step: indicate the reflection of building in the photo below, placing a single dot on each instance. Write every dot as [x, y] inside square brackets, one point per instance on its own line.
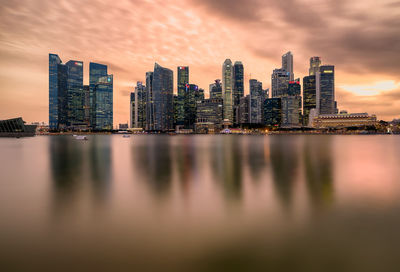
[272, 112]
[344, 120]
[209, 115]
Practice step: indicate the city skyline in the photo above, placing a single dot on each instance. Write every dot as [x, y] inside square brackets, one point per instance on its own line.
[366, 73]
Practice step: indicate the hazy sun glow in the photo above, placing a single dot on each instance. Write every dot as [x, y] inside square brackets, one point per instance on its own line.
[372, 89]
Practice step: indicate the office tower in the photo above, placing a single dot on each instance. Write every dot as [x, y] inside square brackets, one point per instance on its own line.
[200, 95]
[325, 93]
[86, 105]
[58, 76]
[291, 111]
[96, 71]
[75, 94]
[209, 114]
[257, 98]
[287, 64]
[309, 97]
[266, 93]
[102, 104]
[183, 79]
[150, 102]
[140, 105]
[315, 62]
[191, 98]
[272, 112]
[244, 109]
[238, 88]
[294, 88]
[227, 85]
[132, 110]
[163, 104]
[279, 82]
[216, 89]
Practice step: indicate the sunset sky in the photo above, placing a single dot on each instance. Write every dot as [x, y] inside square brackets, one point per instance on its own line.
[360, 37]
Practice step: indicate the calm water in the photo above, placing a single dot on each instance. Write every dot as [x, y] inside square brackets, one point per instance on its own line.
[222, 203]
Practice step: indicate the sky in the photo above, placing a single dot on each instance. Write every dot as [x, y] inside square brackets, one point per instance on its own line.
[360, 37]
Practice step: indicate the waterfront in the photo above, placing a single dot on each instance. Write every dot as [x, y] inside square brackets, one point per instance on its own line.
[304, 202]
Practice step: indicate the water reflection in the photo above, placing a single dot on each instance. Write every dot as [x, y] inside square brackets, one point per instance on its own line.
[256, 156]
[154, 162]
[318, 170]
[284, 157]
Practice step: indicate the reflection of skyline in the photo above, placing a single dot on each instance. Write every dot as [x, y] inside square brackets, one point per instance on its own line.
[284, 162]
[226, 163]
[153, 161]
[256, 156]
[318, 169]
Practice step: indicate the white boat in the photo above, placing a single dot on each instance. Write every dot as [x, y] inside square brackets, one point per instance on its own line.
[82, 137]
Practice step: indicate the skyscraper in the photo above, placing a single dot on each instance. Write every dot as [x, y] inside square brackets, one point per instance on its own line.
[273, 112]
[257, 98]
[75, 94]
[309, 97]
[238, 88]
[209, 115]
[279, 82]
[227, 85]
[183, 79]
[291, 111]
[287, 64]
[325, 93]
[96, 71]
[150, 101]
[216, 89]
[102, 109]
[132, 110]
[244, 110]
[191, 97]
[163, 96]
[140, 105]
[58, 75]
[315, 62]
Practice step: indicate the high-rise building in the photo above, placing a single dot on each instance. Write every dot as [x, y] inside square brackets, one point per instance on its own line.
[309, 97]
[140, 105]
[86, 105]
[244, 110]
[315, 62]
[96, 71]
[190, 103]
[149, 102]
[183, 79]
[209, 114]
[102, 109]
[58, 75]
[238, 88]
[291, 111]
[273, 112]
[163, 96]
[279, 82]
[294, 88]
[75, 94]
[325, 90]
[216, 89]
[257, 98]
[287, 64]
[132, 110]
[227, 85]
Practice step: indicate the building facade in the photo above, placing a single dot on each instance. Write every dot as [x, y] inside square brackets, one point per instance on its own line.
[149, 101]
[257, 98]
[238, 88]
[102, 109]
[244, 109]
[140, 105]
[309, 97]
[273, 112]
[279, 82]
[325, 90]
[227, 85]
[287, 64]
[209, 115]
[291, 111]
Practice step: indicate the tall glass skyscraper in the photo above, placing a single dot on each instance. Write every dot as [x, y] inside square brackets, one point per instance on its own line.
[279, 82]
[58, 75]
[96, 71]
[132, 110]
[183, 80]
[315, 62]
[309, 97]
[325, 83]
[287, 64]
[150, 102]
[75, 94]
[163, 97]
[227, 85]
[140, 105]
[273, 112]
[257, 98]
[102, 110]
[216, 89]
[238, 88]
[191, 97]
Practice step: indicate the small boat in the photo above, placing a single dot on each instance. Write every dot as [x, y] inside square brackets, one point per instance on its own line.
[81, 138]
[126, 136]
